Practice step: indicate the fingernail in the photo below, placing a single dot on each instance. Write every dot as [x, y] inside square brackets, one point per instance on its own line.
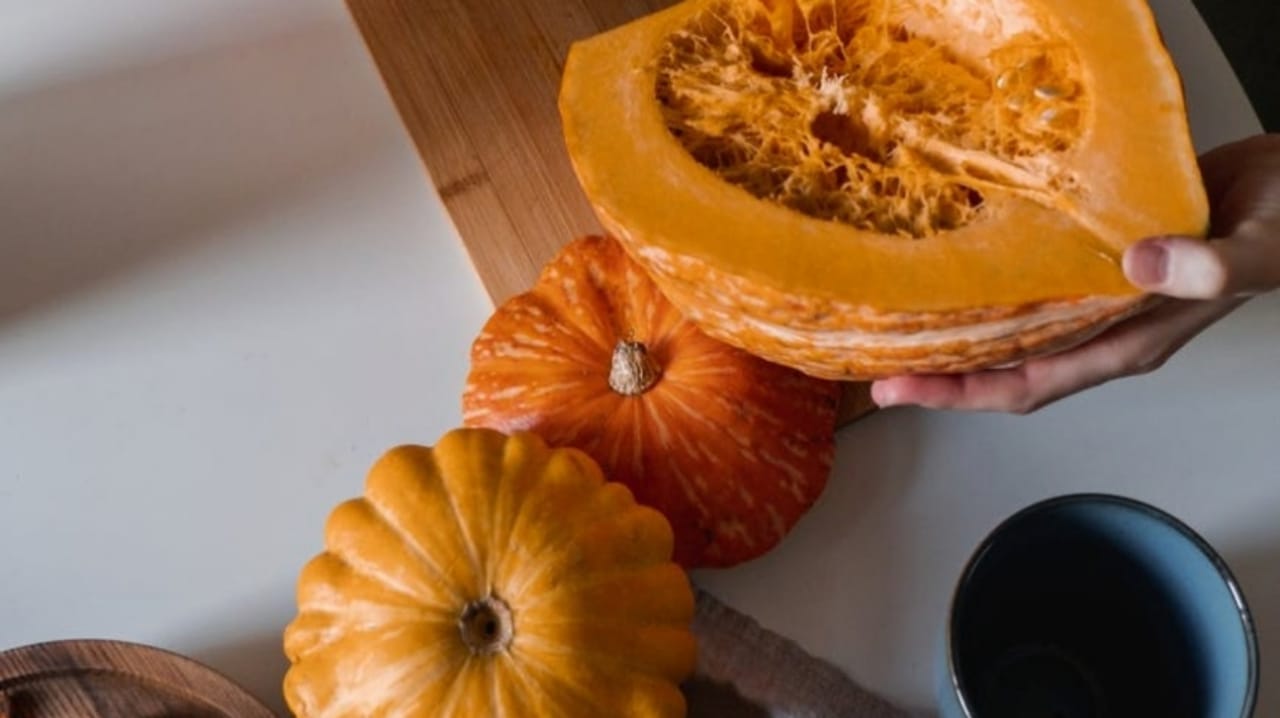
[883, 394]
[1147, 264]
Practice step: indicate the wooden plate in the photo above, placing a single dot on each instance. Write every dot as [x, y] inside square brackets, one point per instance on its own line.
[113, 679]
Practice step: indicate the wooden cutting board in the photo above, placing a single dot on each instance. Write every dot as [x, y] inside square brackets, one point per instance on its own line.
[476, 83]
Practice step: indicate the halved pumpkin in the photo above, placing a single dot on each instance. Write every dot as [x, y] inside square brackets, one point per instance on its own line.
[861, 188]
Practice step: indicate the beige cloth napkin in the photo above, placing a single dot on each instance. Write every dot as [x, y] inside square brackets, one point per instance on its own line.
[747, 671]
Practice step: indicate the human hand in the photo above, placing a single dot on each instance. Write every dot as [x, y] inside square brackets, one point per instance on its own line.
[1204, 280]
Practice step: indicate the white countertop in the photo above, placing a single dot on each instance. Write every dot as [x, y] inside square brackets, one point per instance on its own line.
[226, 286]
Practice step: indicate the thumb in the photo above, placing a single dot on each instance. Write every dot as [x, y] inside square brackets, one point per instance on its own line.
[1190, 268]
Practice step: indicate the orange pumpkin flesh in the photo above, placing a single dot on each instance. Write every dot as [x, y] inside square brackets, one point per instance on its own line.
[859, 188]
[731, 448]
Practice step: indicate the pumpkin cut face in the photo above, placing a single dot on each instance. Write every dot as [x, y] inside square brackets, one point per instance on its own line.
[838, 111]
[732, 449]
[488, 577]
[866, 187]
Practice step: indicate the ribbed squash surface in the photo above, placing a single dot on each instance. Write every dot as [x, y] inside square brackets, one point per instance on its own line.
[490, 577]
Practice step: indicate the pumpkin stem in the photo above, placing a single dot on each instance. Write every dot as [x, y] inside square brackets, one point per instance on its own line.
[633, 371]
[486, 626]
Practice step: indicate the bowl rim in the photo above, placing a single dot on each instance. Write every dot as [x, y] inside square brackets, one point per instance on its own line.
[1101, 498]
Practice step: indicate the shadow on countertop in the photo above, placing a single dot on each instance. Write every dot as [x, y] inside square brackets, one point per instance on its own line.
[255, 661]
[102, 173]
[1245, 29]
[1257, 569]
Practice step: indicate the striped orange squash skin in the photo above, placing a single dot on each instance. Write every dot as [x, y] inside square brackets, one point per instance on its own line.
[731, 448]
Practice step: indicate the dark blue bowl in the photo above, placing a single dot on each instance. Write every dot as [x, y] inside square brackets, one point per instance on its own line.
[1097, 606]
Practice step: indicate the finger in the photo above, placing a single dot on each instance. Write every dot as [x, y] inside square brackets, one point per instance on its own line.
[1134, 347]
[1138, 346]
[994, 390]
[1195, 269]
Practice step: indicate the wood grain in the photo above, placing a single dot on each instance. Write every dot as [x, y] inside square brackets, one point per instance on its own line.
[113, 679]
[475, 83]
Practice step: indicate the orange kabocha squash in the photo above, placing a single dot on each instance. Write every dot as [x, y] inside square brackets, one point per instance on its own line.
[859, 188]
[732, 449]
[491, 577]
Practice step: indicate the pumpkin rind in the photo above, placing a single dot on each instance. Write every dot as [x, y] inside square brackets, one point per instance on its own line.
[1034, 268]
[731, 448]
[599, 615]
